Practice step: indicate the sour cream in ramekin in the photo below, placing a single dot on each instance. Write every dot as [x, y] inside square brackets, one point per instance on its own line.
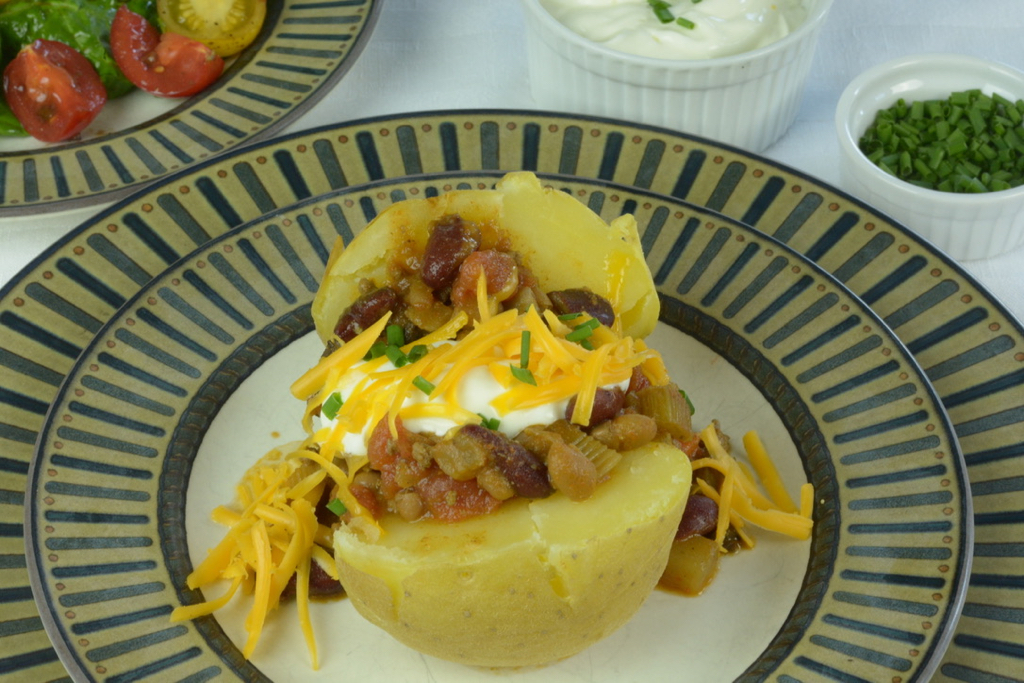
[709, 28]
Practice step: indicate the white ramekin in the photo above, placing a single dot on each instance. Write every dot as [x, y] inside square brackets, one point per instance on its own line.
[965, 226]
[747, 100]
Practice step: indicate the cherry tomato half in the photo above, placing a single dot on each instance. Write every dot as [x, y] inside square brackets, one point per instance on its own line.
[168, 65]
[227, 26]
[53, 90]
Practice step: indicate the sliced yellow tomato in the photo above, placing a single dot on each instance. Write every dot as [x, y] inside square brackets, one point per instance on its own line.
[226, 26]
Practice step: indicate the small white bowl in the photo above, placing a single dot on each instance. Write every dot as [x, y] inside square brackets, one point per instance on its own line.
[965, 226]
[748, 100]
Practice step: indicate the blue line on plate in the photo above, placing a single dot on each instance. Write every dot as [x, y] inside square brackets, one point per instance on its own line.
[115, 162]
[122, 394]
[216, 299]
[195, 136]
[107, 594]
[63, 307]
[96, 625]
[194, 316]
[145, 156]
[159, 355]
[241, 285]
[802, 320]
[99, 467]
[80, 276]
[174, 334]
[60, 179]
[23, 327]
[105, 442]
[104, 492]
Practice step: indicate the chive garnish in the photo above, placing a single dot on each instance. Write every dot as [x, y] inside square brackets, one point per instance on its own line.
[523, 375]
[569, 316]
[331, 406]
[689, 403]
[376, 351]
[417, 352]
[396, 335]
[685, 23]
[661, 10]
[583, 330]
[396, 356]
[491, 423]
[524, 350]
[966, 142]
[423, 385]
[337, 507]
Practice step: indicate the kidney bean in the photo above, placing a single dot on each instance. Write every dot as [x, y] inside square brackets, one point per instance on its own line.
[607, 404]
[365, 311]
[699, 518]
[449, 244]
[320, 584]
[524, 471]
[583, 301]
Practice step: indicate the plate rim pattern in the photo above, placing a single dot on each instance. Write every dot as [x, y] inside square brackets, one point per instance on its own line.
[967, 649]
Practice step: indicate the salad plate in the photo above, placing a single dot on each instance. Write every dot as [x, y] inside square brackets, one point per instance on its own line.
[143, 441]
[302, 51]
[969, 346]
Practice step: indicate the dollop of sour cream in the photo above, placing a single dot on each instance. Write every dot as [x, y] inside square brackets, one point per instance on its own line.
[709, 28]
[474, 391]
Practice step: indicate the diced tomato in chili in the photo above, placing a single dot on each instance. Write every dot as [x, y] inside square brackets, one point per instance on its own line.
[450, 500]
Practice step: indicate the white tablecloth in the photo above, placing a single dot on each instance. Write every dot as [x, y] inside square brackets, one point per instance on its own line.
[462, 54]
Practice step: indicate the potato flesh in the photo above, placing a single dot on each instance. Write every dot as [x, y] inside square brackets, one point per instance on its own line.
[535, 582]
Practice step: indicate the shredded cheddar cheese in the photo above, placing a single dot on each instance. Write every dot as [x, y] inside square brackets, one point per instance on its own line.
[561, 369]
[275, 535]
[739, 498]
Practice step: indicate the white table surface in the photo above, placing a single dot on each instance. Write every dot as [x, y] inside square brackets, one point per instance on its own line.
[463, 54]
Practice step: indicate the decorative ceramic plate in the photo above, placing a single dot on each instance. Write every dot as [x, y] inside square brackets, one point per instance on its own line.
[302, 51]
[970, 347]
[769, 342]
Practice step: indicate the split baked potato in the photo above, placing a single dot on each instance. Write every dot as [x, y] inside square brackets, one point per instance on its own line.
[532, 583]
[564, 243]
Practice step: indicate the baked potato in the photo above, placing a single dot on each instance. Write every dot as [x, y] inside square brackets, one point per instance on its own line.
[532, 583]
[564, 243]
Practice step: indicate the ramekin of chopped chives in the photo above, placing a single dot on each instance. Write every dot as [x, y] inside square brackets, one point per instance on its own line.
[936, 142]
[967, 142]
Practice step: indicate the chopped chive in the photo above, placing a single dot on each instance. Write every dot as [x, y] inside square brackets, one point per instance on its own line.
[376, 351]
[569, 316]
[396, 356]
[396, 335]
[689, 403]
[523, 375]
[583, 330]
[337, 507]
[685, 23]
[524, 350]
[423, 385]
[661, 10]
[417, 352]
[331, 406]
[967, 142]
[491, 423]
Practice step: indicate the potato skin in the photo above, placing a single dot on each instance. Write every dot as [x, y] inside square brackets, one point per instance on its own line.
[563, 242]
[533, 583]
